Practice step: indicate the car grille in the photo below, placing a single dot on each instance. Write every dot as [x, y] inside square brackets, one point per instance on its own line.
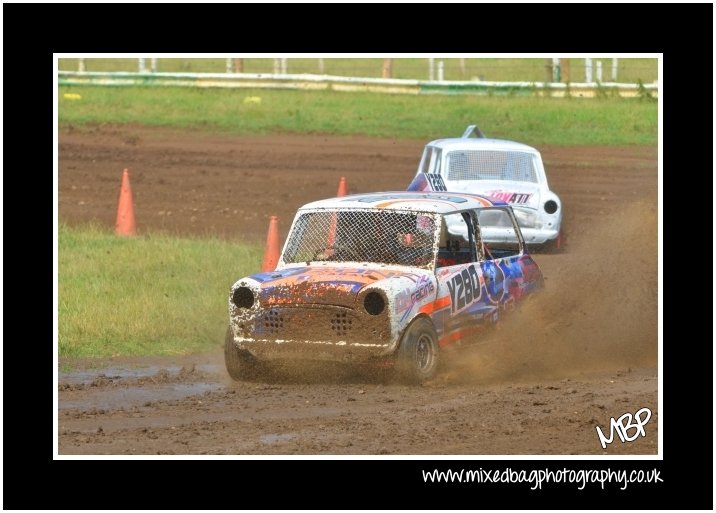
[325, 323]
[273, 321]
[341, 323]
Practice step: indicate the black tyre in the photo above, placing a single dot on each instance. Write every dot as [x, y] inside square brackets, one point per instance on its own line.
[240, 364]
[419, 352]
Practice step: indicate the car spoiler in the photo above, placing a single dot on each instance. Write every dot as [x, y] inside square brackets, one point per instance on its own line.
[473, 129]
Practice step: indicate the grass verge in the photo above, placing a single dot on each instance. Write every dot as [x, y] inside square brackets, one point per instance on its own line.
[150, 295]
[535, 121]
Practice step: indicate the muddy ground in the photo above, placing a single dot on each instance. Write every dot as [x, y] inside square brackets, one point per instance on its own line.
[584, 352]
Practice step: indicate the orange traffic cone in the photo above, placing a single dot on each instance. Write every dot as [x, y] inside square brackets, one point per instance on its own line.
[342, 187]
[271, 253]
[125, 211]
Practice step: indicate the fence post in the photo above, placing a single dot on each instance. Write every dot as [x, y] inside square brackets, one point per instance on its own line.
[548, 72]
[615, 64]
[588, 71]
[441, 70]
[462, 67]
[142, 66]
[564, 64]
[321, 67]
[284, 66]
[599, 71]
[238, 65]
[229, 66]
[556, 70]
[387, 68]
[81, 66]
[153, 64]
[276, 66]
[431, 69]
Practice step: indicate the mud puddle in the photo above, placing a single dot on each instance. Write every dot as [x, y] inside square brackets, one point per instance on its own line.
[274, 438]
[89, 376]
[139, 395]
[112, 388]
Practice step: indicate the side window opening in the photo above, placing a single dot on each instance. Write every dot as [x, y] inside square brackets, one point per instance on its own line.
[457, 244]
[499, 233]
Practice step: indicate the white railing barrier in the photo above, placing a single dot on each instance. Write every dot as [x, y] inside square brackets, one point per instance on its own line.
[335, 83]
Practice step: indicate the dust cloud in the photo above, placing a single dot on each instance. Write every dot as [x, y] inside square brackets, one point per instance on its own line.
[598, 310]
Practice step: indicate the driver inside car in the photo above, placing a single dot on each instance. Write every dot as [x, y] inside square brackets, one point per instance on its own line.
[416, 248]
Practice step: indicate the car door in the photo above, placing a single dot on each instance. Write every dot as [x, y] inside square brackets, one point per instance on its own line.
[509, 272]
[461, 291]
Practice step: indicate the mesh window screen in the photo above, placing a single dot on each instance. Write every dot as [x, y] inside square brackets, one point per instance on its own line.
[490, 165]
[403, 238]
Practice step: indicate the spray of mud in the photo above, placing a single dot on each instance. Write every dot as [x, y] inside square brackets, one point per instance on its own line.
[598, 310]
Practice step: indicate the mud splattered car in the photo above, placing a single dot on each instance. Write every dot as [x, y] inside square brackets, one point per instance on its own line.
[506, 170]
[393, 278]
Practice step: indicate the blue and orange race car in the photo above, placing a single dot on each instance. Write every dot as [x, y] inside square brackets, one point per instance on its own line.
[393, 276]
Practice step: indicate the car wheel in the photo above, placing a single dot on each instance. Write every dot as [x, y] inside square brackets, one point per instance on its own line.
[240, 364]
[419, 352]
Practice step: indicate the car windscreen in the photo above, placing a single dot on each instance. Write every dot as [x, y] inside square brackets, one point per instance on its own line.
[490, 165]
[380, 236]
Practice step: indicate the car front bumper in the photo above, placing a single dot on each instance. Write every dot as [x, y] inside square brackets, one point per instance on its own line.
[325, 350]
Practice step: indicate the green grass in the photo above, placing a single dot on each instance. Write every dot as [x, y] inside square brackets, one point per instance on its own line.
[535, 121]
[492, 69]
[151, 295]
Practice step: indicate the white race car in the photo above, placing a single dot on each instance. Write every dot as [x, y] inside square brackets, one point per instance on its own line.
[499, 169]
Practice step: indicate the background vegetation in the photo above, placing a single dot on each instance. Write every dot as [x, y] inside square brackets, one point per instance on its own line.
[152, 295]
[566, 121]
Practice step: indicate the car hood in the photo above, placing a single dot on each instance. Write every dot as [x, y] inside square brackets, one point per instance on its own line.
[514, 193]
[326, 285]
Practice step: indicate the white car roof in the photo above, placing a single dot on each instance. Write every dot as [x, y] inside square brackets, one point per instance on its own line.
[480, 144]
[435, 202]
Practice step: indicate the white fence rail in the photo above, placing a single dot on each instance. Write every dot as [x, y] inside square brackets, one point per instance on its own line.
[336, 83]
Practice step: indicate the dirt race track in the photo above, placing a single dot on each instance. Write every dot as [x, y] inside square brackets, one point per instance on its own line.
[585, 352]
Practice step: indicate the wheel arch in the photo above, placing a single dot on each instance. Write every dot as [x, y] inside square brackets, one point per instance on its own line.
[413, 320]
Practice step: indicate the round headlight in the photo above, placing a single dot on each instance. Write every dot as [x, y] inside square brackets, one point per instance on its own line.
[551, 207]
[243, 297]
[374, 303]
